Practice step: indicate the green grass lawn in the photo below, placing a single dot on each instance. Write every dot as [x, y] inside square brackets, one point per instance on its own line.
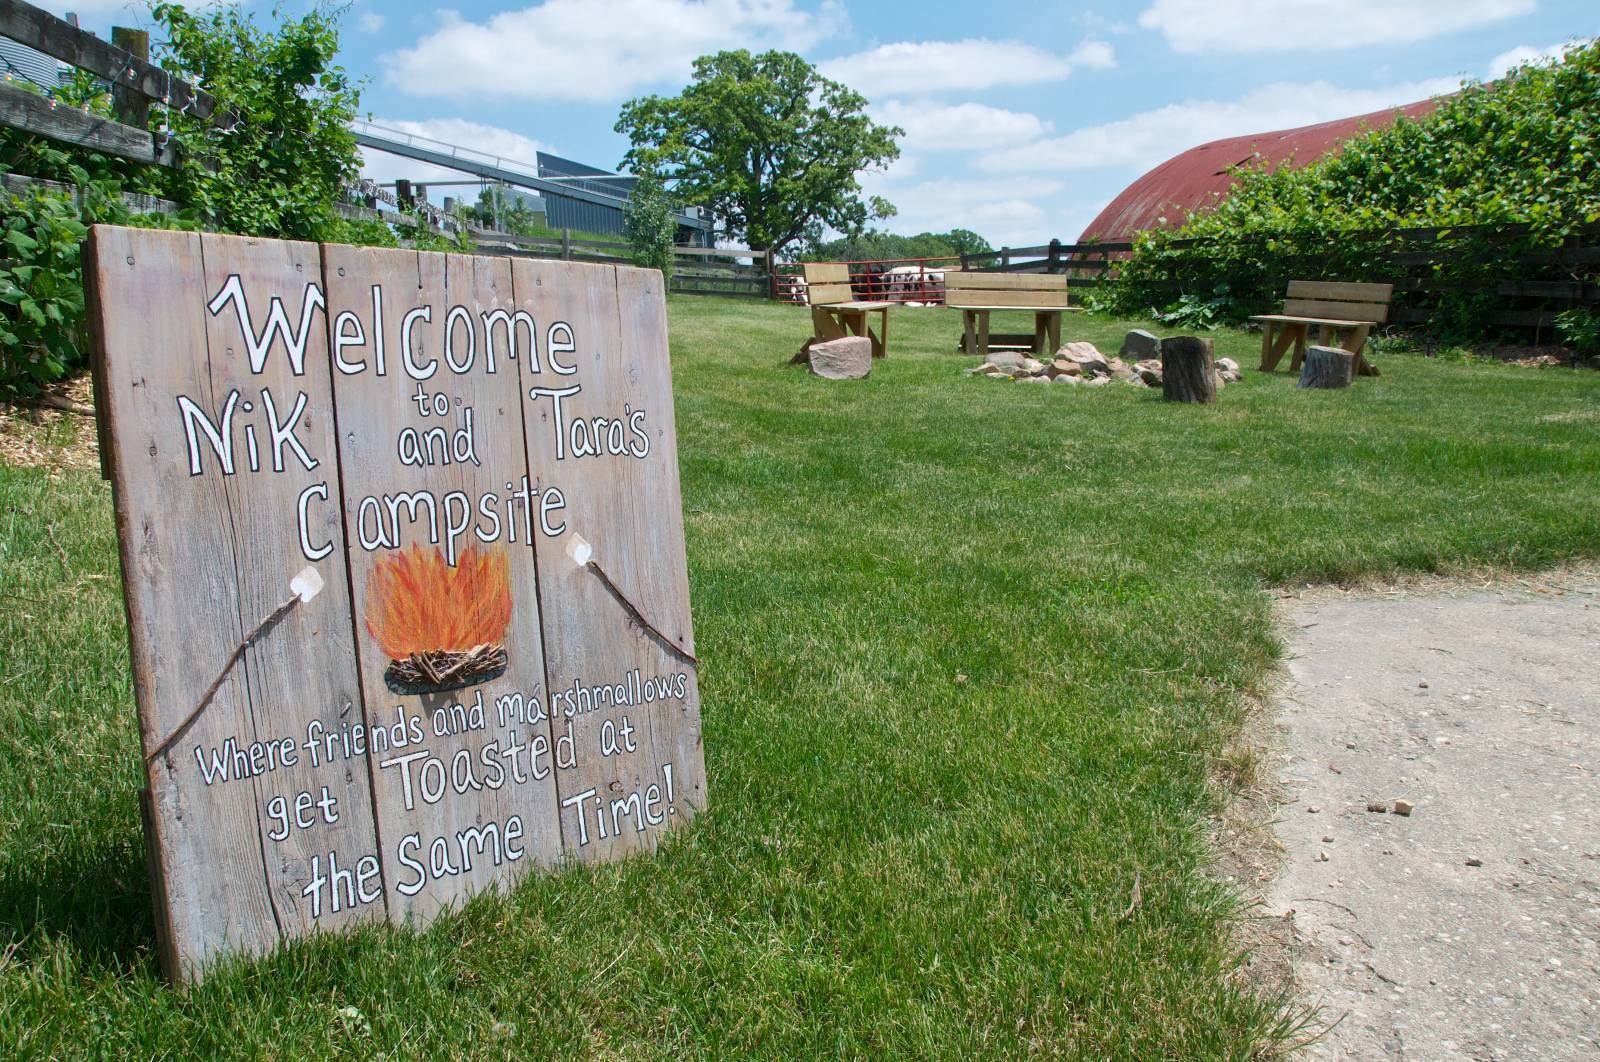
[970, 652]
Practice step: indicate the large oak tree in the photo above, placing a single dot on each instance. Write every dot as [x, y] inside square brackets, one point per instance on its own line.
[772, 147]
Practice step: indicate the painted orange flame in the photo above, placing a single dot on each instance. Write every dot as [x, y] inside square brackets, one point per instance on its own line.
[416, 603]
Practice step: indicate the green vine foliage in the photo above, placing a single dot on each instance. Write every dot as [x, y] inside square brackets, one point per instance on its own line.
[280, 171]
[1523, 152]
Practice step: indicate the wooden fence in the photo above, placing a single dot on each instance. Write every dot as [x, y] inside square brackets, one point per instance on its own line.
[1527, 286]
[136, 85]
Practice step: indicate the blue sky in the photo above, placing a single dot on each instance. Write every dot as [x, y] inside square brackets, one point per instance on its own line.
[1022, 119]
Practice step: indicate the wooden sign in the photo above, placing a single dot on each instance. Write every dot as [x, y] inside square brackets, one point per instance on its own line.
[402, 546]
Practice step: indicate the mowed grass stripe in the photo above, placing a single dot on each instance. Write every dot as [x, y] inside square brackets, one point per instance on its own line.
[970, 651]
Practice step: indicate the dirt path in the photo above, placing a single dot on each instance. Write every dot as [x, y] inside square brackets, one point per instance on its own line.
[1469, 929]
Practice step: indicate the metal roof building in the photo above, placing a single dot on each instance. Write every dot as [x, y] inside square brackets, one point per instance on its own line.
[1200, 178]
[575, 196]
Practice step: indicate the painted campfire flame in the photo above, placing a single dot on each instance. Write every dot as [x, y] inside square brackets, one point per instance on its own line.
[417, 603]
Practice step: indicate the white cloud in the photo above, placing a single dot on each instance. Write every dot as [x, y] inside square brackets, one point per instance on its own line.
[369, 22]
[1502, 64]
[1093, 55]
[1145, 139]
[1319, 25]
[920, 67]
[383, 167]
[931, 126]
[595, 50]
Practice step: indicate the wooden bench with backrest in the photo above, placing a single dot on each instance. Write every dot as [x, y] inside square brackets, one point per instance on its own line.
[1333, 307]
[835, 310]
[976, 295]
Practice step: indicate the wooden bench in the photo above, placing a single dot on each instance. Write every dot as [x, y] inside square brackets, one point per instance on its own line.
[976, 295]
[836, 312]
[1333, 307]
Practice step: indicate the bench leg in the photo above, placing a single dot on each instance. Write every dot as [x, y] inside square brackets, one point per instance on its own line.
[983, 333]
[1275, 339]
[1055, 335]
[881, 350]
[969, 333]
[1354, 342]
[1301, 334]
[1041, 334]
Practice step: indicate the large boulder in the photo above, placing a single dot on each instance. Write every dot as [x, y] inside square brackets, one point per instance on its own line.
[1085, 354]
[1009, 360]
[1139, 344]
[849, 358]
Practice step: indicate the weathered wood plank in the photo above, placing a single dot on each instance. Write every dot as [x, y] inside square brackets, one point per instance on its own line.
[969, 281]
[829, 294]
[1340, 291]
[619, 640]
[464, 454]
[40, 30]
[32, 113]
[211, 538]
[959, 297]
[1375, 312]
[826, 273]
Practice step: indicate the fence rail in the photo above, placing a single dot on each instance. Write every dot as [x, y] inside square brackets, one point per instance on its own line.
[135, 82]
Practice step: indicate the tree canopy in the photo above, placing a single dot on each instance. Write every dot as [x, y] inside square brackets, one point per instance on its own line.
[772, 147]
[872, 244]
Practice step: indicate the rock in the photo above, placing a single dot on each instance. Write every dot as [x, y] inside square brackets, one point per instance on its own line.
[1422, 685]
[986, 368]
[1151, 377]
[1474, 862]
[1033, 379]
[1378, 807]
[1085, 355]
[1402, 807]
[1032, 366]
[849, 358]
[1327, 838]
[1227, 365]
[1140, 344]
[1067, 378]
[1065, 367]
[1312, 810]
[1009, 360]
[1322, 857]
[1096, 381]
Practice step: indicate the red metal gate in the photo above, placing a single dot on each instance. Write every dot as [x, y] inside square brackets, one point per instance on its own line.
[904, 280]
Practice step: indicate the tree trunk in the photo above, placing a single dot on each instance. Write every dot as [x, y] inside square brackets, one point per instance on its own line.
[1187, 374]
[1327, 367]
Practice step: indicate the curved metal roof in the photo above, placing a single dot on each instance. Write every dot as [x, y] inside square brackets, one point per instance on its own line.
[1199, 177]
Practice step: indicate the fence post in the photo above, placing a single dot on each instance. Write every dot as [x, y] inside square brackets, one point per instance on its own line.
[1005, 258]
[566, 244]
[132, 108]
[402, 192]
[1053, 263]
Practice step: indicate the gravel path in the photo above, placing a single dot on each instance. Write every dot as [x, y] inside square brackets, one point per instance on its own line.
[1469, 929]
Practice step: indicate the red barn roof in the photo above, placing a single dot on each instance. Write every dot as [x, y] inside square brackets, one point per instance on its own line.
[1199, 177]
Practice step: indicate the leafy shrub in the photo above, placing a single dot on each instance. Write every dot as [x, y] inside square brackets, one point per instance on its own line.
[1580, 329]
[649, 227]
[41, 288]
[1523, 150]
